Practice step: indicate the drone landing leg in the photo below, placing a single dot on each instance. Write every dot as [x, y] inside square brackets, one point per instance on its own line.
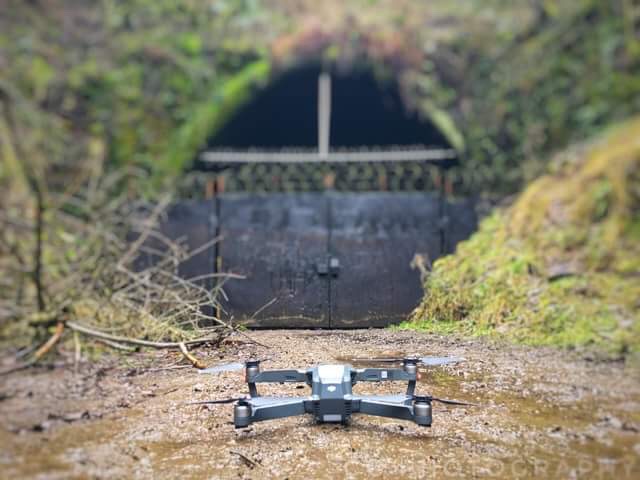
[411, 388]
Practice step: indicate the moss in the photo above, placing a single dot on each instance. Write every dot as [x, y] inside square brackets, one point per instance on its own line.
[209, 116]
[561, 266]
[504, 84]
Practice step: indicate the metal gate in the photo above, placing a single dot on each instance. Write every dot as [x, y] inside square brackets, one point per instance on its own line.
[320, 260]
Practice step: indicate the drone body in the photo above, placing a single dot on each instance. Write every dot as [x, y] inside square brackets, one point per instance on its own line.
[332, 399]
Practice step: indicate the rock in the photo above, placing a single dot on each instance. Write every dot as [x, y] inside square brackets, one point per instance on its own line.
[611, 422]
[561, 270]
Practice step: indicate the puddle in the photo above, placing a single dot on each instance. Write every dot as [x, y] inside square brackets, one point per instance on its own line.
[528, 424]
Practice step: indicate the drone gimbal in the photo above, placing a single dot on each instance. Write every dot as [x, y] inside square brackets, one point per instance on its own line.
[332, 399]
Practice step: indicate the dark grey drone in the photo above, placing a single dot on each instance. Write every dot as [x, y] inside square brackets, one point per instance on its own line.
[332, 399]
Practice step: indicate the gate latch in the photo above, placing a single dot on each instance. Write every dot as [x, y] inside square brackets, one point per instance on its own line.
[328, 267]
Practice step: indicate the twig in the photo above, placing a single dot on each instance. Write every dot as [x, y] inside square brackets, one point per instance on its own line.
[116, 345]
[38, 251]
[129, 254]
[249, 462]
[193, 360]
[77, 351]
[17, 368]
[132, 341]
[41, 352]
[263, 307]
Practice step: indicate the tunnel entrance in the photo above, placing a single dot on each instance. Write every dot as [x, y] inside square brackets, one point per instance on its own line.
[364, 112]
[330, 201]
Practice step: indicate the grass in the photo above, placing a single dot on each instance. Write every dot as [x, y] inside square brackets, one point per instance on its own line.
[559, 267]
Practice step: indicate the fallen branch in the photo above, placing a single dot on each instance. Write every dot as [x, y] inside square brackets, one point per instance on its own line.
[192, 359]
[132, 341]
[248, 462]
[48, 345]
[149, 224]
[77, 351]
[41, 352]
[116, 345]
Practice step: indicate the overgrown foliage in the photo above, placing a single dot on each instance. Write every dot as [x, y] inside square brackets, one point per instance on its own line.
[573, 70]
[82, 256]
[145, 83]
[89, 88]
[561, 266]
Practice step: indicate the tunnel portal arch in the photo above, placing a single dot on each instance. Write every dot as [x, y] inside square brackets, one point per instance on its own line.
[366, 111]
[311, 253]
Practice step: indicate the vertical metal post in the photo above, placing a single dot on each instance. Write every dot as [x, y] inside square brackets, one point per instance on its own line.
[329, 255]
[444, 219]
[324, 140]
[214, 187]
[324, 114]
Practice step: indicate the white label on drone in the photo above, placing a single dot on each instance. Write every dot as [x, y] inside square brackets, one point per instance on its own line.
[331, 388]
[383, 374]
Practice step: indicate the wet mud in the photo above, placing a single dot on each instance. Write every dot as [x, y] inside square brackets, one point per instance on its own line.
[540, 413]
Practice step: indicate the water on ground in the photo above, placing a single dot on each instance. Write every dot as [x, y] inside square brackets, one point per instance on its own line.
[542, 413]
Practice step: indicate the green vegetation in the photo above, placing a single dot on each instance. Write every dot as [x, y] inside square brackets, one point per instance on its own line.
[574, 70]
[560, 266]
[132, 89]
[144, 83]
[209, 117]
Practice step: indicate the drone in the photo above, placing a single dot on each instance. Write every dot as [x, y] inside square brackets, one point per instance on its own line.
[332, 399]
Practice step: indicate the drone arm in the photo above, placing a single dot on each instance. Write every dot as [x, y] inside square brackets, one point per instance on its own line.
[382, 375]
[383, 409]
[275, 376]
[271, 409]
[280, 376]
[401, 411]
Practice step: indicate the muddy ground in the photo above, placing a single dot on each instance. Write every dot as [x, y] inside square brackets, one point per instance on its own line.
[544, 413]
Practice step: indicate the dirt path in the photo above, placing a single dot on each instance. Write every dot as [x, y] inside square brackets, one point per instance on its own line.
[545, 414]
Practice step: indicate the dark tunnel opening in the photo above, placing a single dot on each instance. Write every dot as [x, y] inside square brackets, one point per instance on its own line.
[306, 235]
[364, 112]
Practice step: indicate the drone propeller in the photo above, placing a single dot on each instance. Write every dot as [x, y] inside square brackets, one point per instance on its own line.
[437, 361]
[225, 367]
[426, 361]
[429, 398]
[231, 367]
[218, 402]
[452, 402]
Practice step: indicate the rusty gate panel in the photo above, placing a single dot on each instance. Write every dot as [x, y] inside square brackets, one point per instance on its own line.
[460, 220]
[374, 238]
[318, 260]
[277, 242]
[192, 224]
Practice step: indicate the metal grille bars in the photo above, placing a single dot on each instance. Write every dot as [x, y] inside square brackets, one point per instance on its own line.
[335, 156]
